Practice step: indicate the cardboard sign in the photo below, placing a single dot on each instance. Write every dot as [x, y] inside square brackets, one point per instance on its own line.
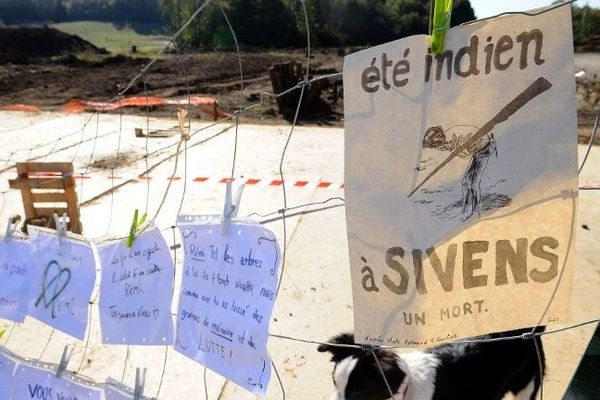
[65, 273]
[34, 383]
[227, 294]
[461, 180]
[7, 367]
[136, 291]
[15, 276]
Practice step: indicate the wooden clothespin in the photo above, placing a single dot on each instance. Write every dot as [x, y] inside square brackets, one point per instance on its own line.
[181, 114]
[135, 225]
[61, 226]
[140, 382]
[230, 210]
[442, 12]
[64, 361]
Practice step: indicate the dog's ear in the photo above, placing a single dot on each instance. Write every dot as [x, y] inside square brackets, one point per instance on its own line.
[339, 352]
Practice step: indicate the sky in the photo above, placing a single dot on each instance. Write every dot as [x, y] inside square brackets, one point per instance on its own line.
[487, 8]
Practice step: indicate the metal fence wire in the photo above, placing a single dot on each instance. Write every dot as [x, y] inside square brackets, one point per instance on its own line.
[190, 139]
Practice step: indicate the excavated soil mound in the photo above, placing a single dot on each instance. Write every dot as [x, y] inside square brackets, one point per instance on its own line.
[26, 45]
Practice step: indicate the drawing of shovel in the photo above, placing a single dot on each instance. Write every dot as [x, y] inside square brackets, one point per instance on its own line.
[535, 89]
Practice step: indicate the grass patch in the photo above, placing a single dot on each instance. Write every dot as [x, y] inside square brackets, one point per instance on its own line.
[116, 39]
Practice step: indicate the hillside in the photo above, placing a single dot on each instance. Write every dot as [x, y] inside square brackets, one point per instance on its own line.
[25, 45]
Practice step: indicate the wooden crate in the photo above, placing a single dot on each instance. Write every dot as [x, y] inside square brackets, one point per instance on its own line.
[48, 188]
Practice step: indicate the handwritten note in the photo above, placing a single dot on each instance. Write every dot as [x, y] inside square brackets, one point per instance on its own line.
[7, 366]
[136, 291]
[33, 383]
[63, 282]
[15, 278]
[227, 294]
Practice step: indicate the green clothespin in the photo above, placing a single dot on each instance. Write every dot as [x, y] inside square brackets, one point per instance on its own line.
[1, 334]
[135, 225]
[442, 11]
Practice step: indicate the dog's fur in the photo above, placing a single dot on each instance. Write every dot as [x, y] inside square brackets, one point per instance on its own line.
[460, 371]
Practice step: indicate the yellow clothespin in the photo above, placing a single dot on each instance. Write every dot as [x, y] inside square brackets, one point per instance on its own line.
[442, 11]
[135, 225]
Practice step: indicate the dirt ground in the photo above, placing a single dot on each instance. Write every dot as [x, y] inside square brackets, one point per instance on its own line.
[316, 279]
[69, 67]
[50, 83]
[315, 242]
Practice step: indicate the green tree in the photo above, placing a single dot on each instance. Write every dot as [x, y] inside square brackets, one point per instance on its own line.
[263, 23]
[462, 12]
[586, 21]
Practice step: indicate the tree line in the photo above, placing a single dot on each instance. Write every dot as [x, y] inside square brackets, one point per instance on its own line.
[281, 23]
[267, 23]
[27, 11]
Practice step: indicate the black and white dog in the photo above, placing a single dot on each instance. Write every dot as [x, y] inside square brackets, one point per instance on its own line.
[456, 371]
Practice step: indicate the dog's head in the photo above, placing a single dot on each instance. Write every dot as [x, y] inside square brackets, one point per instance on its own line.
[356, 375]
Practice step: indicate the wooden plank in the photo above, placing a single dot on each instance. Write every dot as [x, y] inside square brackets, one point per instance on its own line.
[49, 211]
[49, 197]
[63, 167]
[73, 210]
[28, 204]
[37, 183]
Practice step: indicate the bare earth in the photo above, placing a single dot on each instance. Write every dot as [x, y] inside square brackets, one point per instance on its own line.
[50, 83]
[315, 300]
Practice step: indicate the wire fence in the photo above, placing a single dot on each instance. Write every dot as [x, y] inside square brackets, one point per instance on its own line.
[179, 148]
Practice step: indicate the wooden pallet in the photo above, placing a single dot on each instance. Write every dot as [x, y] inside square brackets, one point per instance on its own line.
[48, 188]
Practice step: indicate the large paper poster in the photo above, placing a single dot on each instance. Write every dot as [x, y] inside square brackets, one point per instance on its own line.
[227, 294]
[136, 291]
[15, 277]
[63, 282]
[461, 180]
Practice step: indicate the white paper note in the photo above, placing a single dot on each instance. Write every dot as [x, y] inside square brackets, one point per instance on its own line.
[64, 278]
[16, 273]
[7, 367]
[227, 294]
[40, 384]
[136, 291]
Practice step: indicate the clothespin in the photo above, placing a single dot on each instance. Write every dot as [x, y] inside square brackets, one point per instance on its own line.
[230, 210]
[64, 361]
[140, 382]
[135, 225]
[442, 11]
[11, 227]
[181, 114]
[61, 226]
